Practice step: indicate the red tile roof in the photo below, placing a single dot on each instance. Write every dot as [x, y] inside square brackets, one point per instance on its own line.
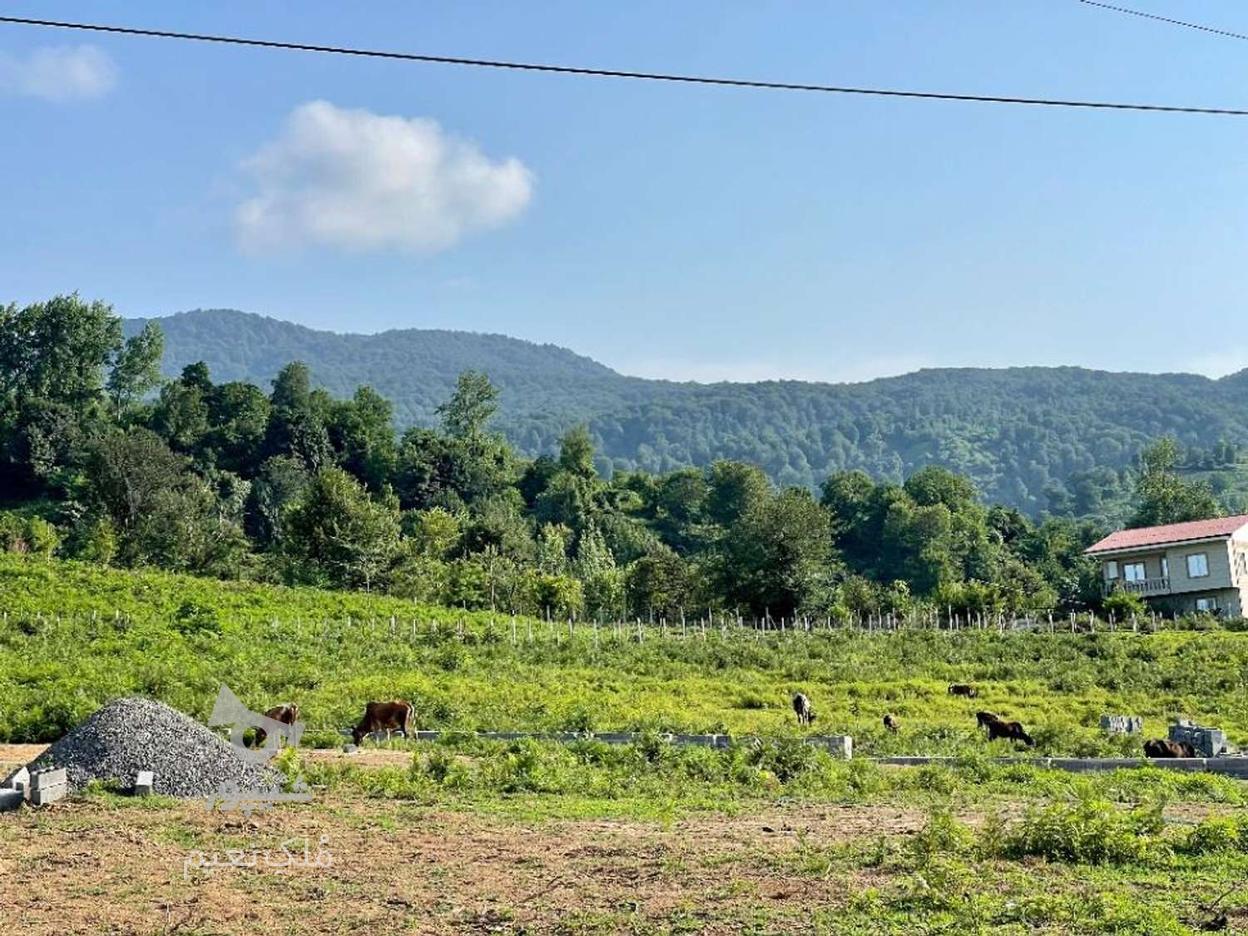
[1170, 533]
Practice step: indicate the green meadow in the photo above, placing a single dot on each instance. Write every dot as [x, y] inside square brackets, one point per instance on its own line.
[74, 636]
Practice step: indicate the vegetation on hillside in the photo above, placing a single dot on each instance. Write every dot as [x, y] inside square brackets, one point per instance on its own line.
[75, 636]
[104, 462]
[1055, 439]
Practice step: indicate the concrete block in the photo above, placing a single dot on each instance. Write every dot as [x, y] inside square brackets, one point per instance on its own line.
[48, 786]
[1230, 766]
[1122, 724]
[614, 737]
[18, 780]
[11, 799]
[43, 779]
[697, 740]
[837, 745]
[46, 795]
[349, 749]
[1207, 742]
[144, 783]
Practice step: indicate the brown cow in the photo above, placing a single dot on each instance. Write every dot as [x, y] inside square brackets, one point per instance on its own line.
[287, 714]
[395, 715]
[891, 723]
[1160, 747]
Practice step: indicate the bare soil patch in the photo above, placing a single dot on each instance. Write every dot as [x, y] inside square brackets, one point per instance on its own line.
[398, 868]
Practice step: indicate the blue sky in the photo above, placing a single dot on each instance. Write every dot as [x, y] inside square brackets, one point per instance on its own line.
[687, 233]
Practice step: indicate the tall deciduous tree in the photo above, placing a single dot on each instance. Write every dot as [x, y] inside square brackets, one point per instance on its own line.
[136, 367]
[336, 534]
[1162, 495]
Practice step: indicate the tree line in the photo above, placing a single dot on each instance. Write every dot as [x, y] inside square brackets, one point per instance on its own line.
[102, 460]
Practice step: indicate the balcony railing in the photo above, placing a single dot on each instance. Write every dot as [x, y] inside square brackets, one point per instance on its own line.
[1149, 586]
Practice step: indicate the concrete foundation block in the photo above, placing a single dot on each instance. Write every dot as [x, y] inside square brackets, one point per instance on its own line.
[614, 737]
[1206, 742]
[48, 786]
[48, 795]
[11, 799]
[144, 783]
[1122, 724]
[44, 779]
[697, 740]
[18, 780]
[836, 745]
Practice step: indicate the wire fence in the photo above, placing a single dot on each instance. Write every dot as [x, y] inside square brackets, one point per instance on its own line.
[519, 630]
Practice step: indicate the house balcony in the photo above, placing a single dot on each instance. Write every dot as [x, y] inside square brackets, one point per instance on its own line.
[1148, 586]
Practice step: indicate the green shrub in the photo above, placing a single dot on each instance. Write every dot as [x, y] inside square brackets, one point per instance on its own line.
[192, 618]
[1219, 834]
[1089, 831]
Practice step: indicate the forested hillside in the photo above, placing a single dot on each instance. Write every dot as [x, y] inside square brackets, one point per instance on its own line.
[1034, 438]
[103, 460]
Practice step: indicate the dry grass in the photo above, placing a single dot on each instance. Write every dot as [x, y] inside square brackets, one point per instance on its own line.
[96, 867]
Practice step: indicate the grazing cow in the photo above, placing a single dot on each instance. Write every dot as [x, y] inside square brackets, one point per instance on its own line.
[801, 707]
[962, 689]
[1160, 747]
[287, 714]
[984, 719]
[395, 715]
[1010, 730]
[891, 723]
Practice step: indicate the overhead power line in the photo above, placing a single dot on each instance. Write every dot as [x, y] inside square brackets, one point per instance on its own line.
[1166, 19]
[615, 73]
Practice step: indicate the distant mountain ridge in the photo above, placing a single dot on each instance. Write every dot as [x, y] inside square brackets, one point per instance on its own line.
[1017, 432]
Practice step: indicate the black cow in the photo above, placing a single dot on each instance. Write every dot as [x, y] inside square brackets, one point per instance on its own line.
[1010, 730]
[1160, 747]
[801, 708]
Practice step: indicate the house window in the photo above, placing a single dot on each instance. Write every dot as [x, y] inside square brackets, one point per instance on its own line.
[1197, 565]
[1111, 569]
[1165, 567]
[1133, 571]
[1206, 604]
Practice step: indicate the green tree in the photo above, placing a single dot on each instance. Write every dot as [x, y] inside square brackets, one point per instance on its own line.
[361, 431]
[475, 400]
[601, 578]
[778, 558]
[297, 419]
[336, 534]
[57, 351]
[576, 453]
[1162, 496]
[136, 367]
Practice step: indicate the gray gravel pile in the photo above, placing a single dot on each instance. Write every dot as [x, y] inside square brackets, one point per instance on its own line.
[129, 735]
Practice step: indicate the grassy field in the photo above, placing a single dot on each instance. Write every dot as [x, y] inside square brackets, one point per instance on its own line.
[74, 636]
[474, 836]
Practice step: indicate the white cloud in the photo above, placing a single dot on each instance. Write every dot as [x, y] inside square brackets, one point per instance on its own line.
[58, 73]
[357, 180]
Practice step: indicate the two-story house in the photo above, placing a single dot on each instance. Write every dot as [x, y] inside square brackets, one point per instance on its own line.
[1181, 567]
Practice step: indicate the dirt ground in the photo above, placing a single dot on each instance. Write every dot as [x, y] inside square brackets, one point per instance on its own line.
[345, 863]
[397, 868]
